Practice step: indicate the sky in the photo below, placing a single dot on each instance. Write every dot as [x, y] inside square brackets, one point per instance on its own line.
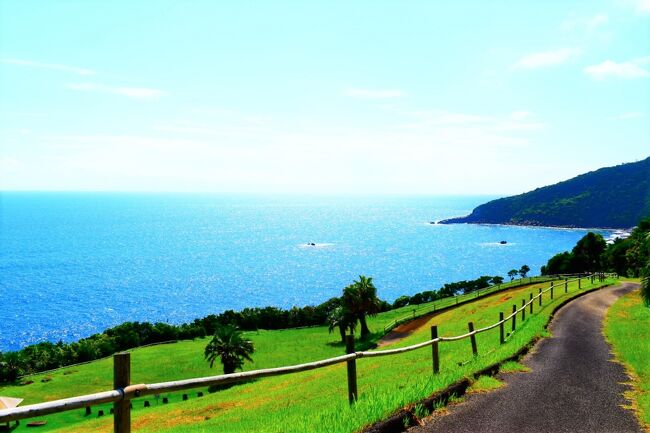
[331, 97]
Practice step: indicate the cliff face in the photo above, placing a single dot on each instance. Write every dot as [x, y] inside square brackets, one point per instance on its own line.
[611, 197]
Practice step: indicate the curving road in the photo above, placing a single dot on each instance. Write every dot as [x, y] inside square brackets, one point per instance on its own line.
[573, 387]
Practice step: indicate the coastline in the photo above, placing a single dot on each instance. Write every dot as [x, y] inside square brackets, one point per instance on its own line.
[558, 227]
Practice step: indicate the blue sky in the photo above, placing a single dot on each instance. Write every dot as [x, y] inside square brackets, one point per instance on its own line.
[337, 97]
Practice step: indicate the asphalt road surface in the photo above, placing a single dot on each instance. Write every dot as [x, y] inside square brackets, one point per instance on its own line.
[573, 387]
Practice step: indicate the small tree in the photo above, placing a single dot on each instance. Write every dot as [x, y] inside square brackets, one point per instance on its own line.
[645, 285]
[512, 273]
[496, 280]
[360, 298]
[229, 344]
[344, 320]
[524, 270]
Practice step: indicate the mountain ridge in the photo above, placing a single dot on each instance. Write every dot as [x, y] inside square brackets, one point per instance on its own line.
[614, 197]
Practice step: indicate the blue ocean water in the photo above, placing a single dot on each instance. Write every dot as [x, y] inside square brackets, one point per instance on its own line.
[72, 264]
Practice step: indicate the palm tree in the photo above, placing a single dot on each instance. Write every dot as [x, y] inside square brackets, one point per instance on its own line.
[360, 298]
[229, 345]
[341, 318]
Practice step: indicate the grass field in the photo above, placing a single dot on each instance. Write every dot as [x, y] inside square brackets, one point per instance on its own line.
[310, 401]
[627, 328]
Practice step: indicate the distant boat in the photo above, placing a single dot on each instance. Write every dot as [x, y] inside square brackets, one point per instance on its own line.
[503, 242]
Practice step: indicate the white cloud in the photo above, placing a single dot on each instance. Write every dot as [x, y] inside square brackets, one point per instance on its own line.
[52, 66]
[374, 93]
[546, 58]
[609, 68]
[642, 6]
[629, 115]
[588, 24]
[521, 115]
[131, 92]
[447, 118]
[597, 21]
[139, 92]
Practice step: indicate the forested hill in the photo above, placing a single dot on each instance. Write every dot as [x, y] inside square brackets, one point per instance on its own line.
[611, 197]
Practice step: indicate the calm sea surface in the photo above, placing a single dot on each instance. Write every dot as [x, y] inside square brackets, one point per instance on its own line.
[72, 264]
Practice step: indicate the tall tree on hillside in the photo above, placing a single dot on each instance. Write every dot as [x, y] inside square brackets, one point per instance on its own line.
[512, 273]
[524, 270]
[342, 319]
[588, 253]
[229, 344]
[360, 298]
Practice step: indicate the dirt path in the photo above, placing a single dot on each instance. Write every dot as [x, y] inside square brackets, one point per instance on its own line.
[404, 330]
[574, 386]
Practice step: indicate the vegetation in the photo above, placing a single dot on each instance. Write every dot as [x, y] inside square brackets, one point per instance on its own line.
[360, 299]
[512, 273]
[524, 270]
[630, 257]
[309, 401]
[333, 313]
[612, 197]
[627, 328]
[229, 345]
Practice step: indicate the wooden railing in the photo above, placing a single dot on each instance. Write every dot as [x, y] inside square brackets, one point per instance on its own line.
[124, 391]
[451, 301]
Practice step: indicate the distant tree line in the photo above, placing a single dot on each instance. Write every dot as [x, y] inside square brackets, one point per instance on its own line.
[344, 313]
[627, 257]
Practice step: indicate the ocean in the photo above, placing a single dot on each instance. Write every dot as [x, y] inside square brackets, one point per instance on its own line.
[73, 264]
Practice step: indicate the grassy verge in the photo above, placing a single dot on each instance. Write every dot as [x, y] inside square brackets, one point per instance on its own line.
[627, 328]
[310, 401]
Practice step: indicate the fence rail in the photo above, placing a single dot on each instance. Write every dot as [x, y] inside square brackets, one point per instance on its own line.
[449, 301]
[125, 392]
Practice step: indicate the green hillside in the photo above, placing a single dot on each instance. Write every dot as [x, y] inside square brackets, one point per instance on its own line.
[314, 401]
[611, 197]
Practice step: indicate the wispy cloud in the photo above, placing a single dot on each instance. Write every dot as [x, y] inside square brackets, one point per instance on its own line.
[630, 115]
[589, 23]
[521, 115]
[546, 58]
[627, 70]
[51, 66]
[374, 93]
[131, 92]
[641, 6]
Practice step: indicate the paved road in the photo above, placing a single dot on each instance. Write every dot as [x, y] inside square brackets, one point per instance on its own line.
[573, 386]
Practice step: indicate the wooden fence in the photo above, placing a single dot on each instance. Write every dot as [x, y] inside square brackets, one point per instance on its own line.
[452, 301]
[124, 391]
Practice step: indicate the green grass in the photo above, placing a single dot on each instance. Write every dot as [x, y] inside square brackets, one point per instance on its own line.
[513, 367]
[627, 328]
[414, 311]
[484, 384]
[310, 401]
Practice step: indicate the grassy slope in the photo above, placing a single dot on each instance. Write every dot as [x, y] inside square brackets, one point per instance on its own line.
[310, 401]
[627, 328]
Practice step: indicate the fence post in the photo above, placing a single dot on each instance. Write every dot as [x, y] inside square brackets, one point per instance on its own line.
[472, 337]
[352, 369]
[122, 379]
[523, 310]
[592, 278]
[434, 350]
[501, 330]
[566, 285]
[530, 299]
[552, 287]
[579, 283]
[540, 296]
[514, 317]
